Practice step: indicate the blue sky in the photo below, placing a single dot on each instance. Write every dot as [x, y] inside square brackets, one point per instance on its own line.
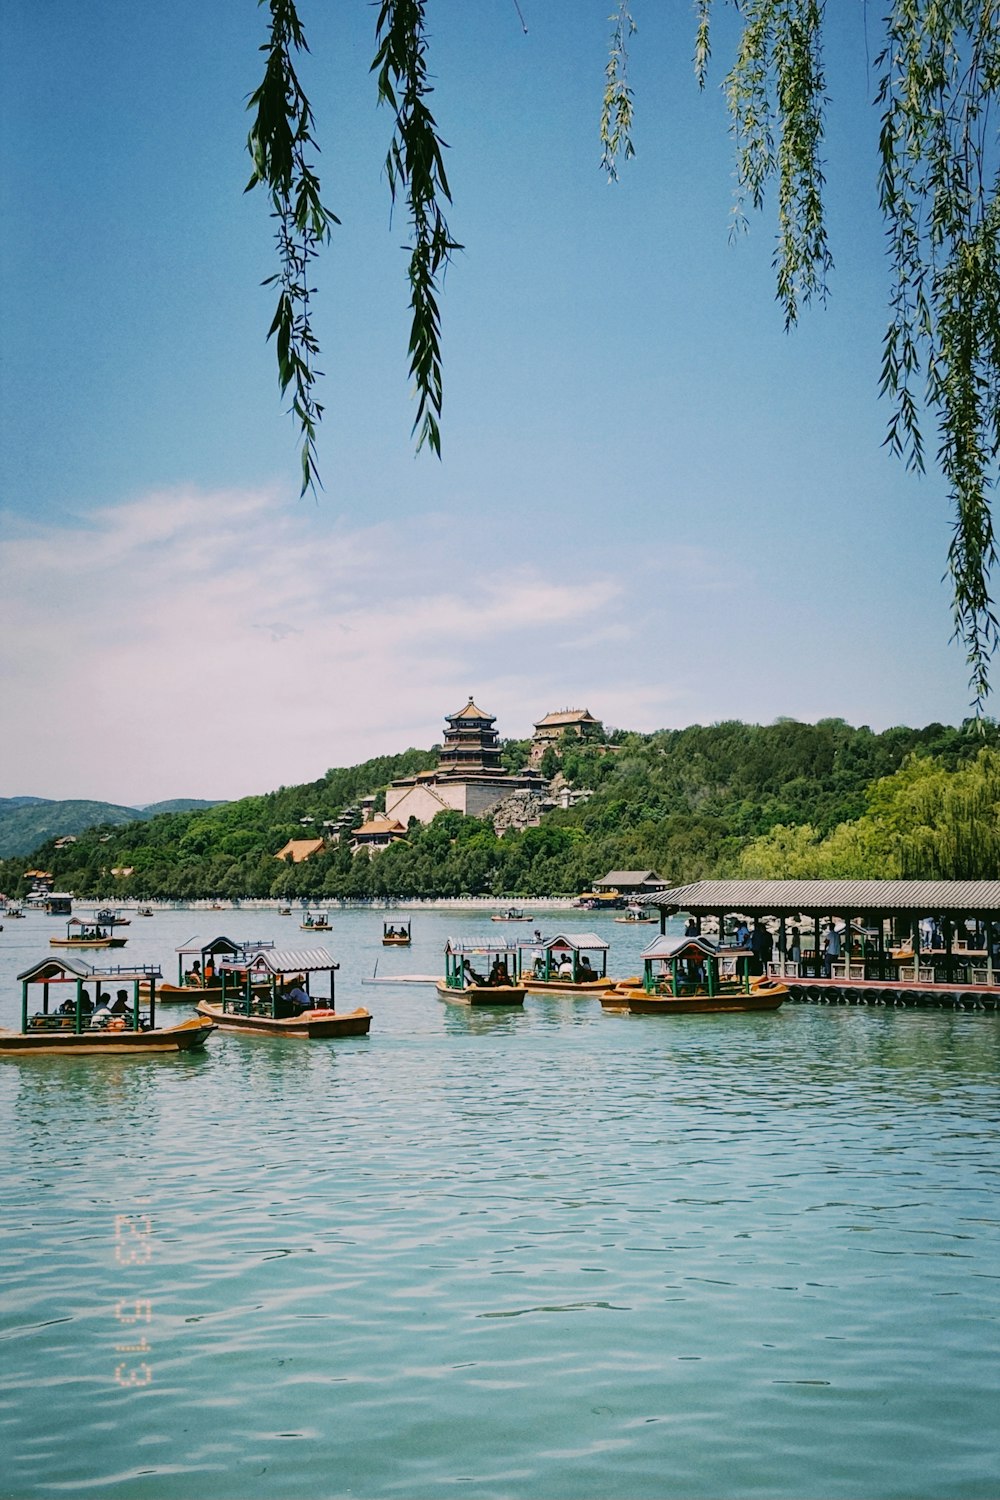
[653, 502]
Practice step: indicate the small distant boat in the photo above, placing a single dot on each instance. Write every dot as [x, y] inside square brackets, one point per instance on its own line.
[396, 934]
[636, 914]
[284, 911]
[90, 934]
[318, 922]
[76, 1027]
[681, 976]
[466, 985]
[14, 913]
[111, 917]
[512, 914]
[270, 995]
[144, 911]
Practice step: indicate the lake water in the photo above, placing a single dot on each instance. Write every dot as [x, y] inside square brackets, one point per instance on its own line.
[557, 1252]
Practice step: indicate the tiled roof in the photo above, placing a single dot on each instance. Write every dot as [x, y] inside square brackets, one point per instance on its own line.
[839, 897]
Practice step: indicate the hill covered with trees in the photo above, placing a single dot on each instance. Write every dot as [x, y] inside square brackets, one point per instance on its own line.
[730, 798]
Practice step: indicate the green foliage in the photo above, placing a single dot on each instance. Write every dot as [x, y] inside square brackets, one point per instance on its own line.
[415, 162]
[778, 800]
[278, 143]
[616, 109]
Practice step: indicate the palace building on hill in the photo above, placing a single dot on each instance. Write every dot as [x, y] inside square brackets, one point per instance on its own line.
[469, 778]
[577, 723]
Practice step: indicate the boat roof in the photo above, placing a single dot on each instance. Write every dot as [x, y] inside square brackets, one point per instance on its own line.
[481, 945]
[224, 945]
[286, 960]
[679, 947]
[575, 940]
[69, 970]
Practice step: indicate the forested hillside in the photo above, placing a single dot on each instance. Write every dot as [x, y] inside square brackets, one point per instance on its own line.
[779, 799]
[26, 821]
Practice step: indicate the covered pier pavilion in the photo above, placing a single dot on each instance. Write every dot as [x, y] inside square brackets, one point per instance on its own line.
[901, 942]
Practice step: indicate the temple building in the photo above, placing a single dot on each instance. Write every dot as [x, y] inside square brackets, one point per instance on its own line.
[577, 723]
[469, 778]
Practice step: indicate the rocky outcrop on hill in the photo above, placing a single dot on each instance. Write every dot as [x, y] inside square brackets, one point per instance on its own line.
[522, 809]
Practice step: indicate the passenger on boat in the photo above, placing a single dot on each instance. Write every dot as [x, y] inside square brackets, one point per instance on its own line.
[390, 932]
[538, 935]
[742, 934]
[209, 969]
[587, 970]
[299, 996]
[498, 973]
[193, 975]
[691, 930]
[469, 974]
[795, 948]
[831, 949]
[566, 968]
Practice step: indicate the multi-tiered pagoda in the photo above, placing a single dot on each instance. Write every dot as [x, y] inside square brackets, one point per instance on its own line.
[469, 777]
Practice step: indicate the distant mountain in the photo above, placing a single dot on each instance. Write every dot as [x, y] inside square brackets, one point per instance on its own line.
[26, 822]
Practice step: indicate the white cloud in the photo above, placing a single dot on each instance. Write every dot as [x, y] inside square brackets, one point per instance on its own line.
[200, 644]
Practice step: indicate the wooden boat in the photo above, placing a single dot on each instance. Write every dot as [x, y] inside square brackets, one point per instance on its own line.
[681, 976]
[395, 936]
[77, 1028]
[463, 985]
[562, 965]
[144, 911]
[111, 917]
[284, 911]
[318, 923]
[92, 934]
[512, 915]
[636, 914]
[197, 976]
[259, 993]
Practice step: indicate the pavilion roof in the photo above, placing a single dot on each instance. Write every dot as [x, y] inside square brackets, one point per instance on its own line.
[830, 897]
[285, 961]
[470, 711]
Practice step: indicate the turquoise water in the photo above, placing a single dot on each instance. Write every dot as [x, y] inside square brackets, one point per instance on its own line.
[555, 1252]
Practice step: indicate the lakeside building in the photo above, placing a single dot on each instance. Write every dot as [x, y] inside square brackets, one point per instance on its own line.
[470, 777]
[631, 882]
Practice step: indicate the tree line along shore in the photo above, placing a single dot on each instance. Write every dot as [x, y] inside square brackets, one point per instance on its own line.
[783, 800]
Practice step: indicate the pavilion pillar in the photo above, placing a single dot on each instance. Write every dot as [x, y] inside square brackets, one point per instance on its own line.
[782, 944]
[916, 949]
[949, 970]
[988, 928]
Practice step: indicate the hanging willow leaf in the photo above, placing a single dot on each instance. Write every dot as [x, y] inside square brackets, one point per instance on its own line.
[616, 109]
[279, 141]
[414, 164]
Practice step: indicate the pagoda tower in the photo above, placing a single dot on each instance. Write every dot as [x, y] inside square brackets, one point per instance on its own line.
[471, 745]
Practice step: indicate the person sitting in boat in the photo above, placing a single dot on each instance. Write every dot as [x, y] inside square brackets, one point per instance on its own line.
[193, 975]
[106, 1007]
[498, 973]
[299, 996]
[469, 974]
[565, 970]
[587, 970]
[209, 970]
[539, 966]
[390, 932]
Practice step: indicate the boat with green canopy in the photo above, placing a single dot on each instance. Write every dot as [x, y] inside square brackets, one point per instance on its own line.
[270, 991]
[571, 963]
[197, 968]
[681, 976]
[494, 982]
[396, 934]
[87, 932]
[61, 1015]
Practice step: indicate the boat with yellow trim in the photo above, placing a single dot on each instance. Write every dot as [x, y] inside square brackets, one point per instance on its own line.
[91, 934]
[268, 992]
[396, 934]
[69, 1022]
[681, 976]
[562, 965]
[197, 968]
[495, 983]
